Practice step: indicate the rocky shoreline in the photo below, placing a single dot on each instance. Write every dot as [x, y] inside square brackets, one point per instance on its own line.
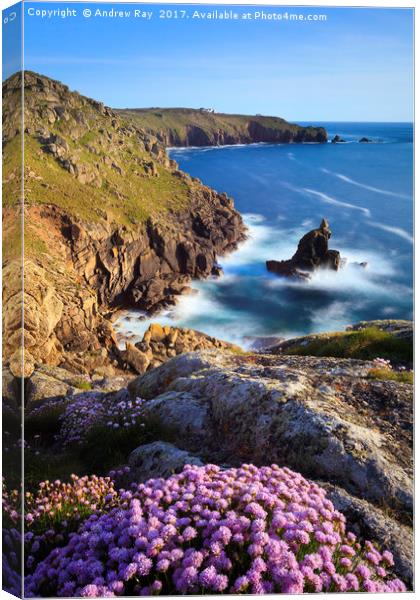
[78, 268]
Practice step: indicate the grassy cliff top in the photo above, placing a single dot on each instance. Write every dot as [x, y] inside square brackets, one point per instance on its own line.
[181, 125]
[84, 158]
[177, 117]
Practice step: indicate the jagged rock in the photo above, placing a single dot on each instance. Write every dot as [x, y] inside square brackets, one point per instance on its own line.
[42, 312]
[318, 416]
[312, 253]
[337, 140]
[160, 344]
[21, 363]
[159, 459]
[138, 360]
[365, 140]
[55, 384]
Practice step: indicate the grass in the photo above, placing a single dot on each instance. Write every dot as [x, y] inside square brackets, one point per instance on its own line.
[390, 375]
[82, 384]
[127, 199]
[365, 344]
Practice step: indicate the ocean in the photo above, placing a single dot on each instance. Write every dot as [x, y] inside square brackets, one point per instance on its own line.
[366, 193]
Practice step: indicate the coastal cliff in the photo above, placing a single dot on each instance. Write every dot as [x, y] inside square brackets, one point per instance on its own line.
[204, 127]
[110, 221]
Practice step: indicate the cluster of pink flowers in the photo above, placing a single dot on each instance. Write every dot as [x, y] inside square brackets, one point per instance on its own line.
[12, 541]
[86, 412]
[56, 510]
[208, 530]
[10, 503]
[68, 500]
[382, 363]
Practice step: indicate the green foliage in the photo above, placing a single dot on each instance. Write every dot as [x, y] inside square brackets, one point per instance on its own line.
[82, 384]
[365, 344]
[390, 375]
[128, 198]
[107, 448]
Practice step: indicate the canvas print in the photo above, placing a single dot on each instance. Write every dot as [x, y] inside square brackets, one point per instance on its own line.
[207, 299]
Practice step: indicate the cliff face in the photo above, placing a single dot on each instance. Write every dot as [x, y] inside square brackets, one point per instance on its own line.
[192, 127]
[109, 221]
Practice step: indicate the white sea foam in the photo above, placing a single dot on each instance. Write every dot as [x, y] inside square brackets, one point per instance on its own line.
[326, 198]
[333, 317]
[184, 149]
[264, 242]
[370, 188]
[351, 279]
[389, 310]
[394, 230]
[203, 311]
[330, 200]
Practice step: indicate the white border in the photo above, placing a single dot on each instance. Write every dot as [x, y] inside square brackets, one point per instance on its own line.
[337, 3]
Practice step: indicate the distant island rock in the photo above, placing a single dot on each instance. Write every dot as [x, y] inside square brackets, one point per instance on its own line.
[312, 253]
[204, 127]
[337, 140]
[365, 140]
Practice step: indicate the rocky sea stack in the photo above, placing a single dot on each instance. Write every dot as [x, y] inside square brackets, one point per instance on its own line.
[312, 253]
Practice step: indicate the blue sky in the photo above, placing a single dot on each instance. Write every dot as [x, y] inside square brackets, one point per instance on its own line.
[356, 66]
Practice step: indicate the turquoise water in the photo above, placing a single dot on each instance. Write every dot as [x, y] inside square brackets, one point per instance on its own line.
[365, 192]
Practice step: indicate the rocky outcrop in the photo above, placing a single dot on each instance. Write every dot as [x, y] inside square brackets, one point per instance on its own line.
[337, 140]
[148, 268]
[159, 459]
[365, 140]
[320, 416]
[195, 127]
[160, 344]
[400, 328]
[312, 253]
